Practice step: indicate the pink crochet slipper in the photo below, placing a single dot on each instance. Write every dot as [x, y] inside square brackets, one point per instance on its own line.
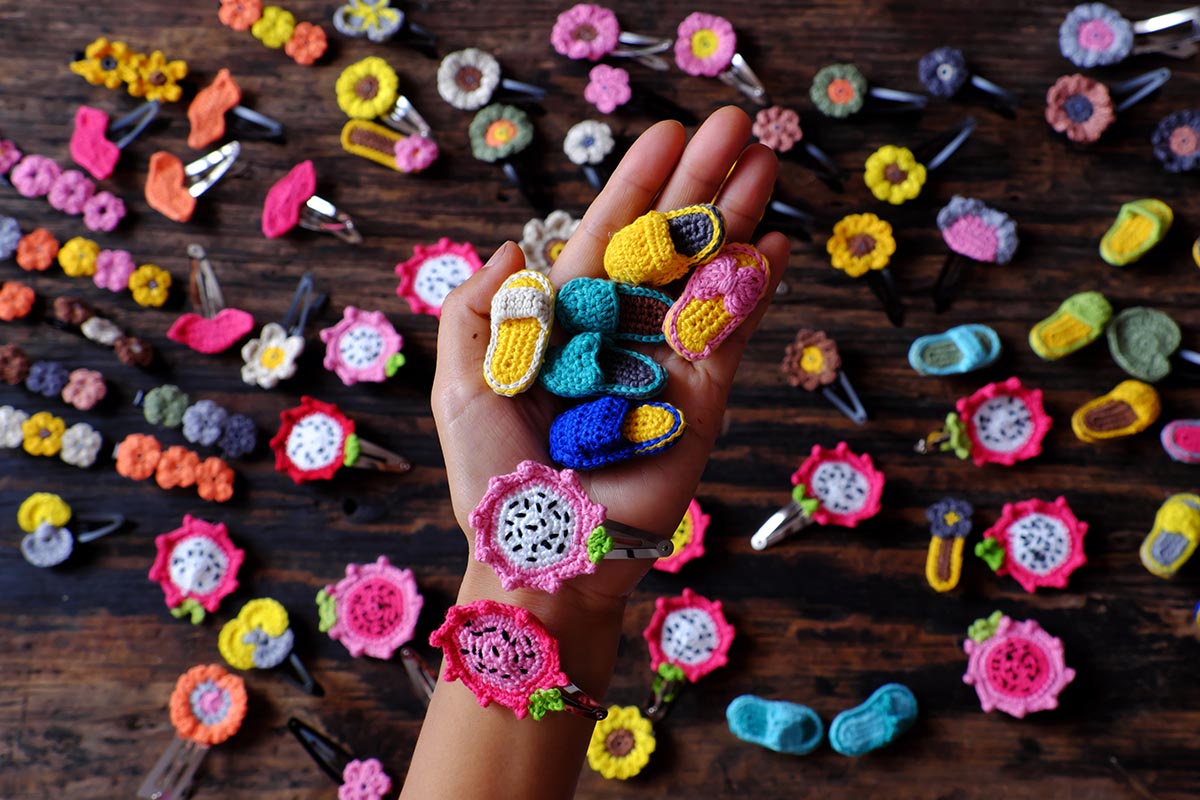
[718, 298]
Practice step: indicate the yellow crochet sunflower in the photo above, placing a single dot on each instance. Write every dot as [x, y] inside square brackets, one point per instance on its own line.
[893, 174]
[860, 243]
[621, 743]
[367, 89]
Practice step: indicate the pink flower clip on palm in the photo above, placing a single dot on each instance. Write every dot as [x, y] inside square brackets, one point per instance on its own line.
[1038, 543]
[1002, 423]
[373, 610]
[1015, 667]
[196, 564]
[504, 655]
[831, 487]
[536, 527]
[706, 45]
[588, 31]
[362, 346]
[688, 637]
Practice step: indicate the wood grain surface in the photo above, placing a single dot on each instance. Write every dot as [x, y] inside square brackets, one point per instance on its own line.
[89, 654]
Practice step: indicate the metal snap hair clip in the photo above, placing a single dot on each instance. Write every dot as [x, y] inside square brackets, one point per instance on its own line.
[373, 610]
[172, 187]
[216, 328]
[500, 134]
[974, 232]
[378, 21]
[219, 104]
[831, 487]
[271, 357]
[471, 79]
[293, 201]
[863, 245]
[590, 145]
[812, 362]
[841, 90]
[47, 541]
[503, 654]
[96, 145]
[420, 675]
[787, 218]
[688, 637]
[589, 31]
[779, 129]
[897, 174]
[1095, 35]
[357, 779]
[1082, 109]
[260, 637]
[944, 73]
[1002, 423]
[536, 527]
[368, 90]
[315, 440]
[207, 706]
[706, 45]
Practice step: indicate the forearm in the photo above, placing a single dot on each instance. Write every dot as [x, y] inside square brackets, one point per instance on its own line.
[466, 752]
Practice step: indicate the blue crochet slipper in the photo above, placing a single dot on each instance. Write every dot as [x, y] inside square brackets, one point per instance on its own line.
[632, 313]
[588, 366]
[611, 429]
[888, 712]
[961, 349]
[775, 724]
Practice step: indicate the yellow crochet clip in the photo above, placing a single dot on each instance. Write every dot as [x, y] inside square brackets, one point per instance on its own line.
[47, 541]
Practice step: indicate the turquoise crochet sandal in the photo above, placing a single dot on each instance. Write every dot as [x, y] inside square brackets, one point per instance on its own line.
[888, 712]
[630, 313]
[588, 366]
[961, 349]
[775, 724]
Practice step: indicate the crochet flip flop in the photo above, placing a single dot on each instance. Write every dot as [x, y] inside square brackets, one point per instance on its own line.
[1128, 409]
[522, 315]
[611, 429]
[718, 298]
[588, 366]
[888, 712]
[1078, 322]
[1140, 226]
[775, 724]
[964, 348]
[595, 305]
[1142, 341]
[1181, 440]
[1173, 538]
[658, 248]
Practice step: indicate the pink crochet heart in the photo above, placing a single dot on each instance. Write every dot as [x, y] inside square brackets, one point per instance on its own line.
[281, 211]
[215, 335]
[90, 148]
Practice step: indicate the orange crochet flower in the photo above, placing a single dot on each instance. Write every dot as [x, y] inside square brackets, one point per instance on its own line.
[37, 250]
[16, 301]
[214, 480]
[240, 14]
[137, 456]
[176, 467]
[208, 704]
[307, 44]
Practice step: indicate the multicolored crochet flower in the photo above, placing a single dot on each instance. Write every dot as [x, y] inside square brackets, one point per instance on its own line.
[1016, 667]
[271, 357]
[860, 243]
[1176, 141]
[687, 540]
[586, 31]
[259, 637]
[943, 72]
[704, 44]
[608, 88]
[155, 78]
[367, 89]
[893, 174]
[500, 131]
[104, 63]
[543, 240]
[838, 90]
[373, 610]
[778, 128]
[467, 79]
[1079, 107]
[846, 485]
[1094, 35]
[374, 19]
[433, 271]
[364, 779]
[1005, 422]
[362, 346]
[196, 564]
[978, 231]
[621, 744]
[314, 441]
[811, 361]
[689, 633]
[208, 704]
[588, 142]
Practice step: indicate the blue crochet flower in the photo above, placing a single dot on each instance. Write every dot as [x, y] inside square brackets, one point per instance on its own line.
[240, 436]
[203, 423]
[943, 72]
[950, 518]
[1094, 35]
[1177, 141]
[10, 237]
[47, 378]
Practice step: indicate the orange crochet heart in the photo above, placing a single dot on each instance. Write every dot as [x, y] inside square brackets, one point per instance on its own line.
[165, 190]
[207, 112]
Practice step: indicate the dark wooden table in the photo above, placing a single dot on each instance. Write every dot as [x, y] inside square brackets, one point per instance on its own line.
[89, 653]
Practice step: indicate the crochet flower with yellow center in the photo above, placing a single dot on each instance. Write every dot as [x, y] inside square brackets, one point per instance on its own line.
[104, 63]
[367, 89]
[155, 78]
[893, 174]
[860, 243]
[274, 27]
[621, 743]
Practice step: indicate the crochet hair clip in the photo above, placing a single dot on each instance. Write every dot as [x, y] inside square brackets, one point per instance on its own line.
[779, 129]
[975, 233]
[368, 90]
[1038, 543]
[688, 637]
[373, 611]
[863, 245]
[706, 45]
[216, 328]
[261, 637]
[1002, 423]
[1082, 109]
[944, 73]
[172, 187]
[276, 28]
[379, 22]
[196, 565]
[96, 145]
[44, 434]
[471, 79]
[590, 145]
[812, 362]
[502, 134]
[897, 174]
[589, 31]
[293, 201]
[316, 439]
[1015, 667]
[357, 779]
[841, 90]
[272, 357]
[217, 108]
[48, 542]
[1096, 35]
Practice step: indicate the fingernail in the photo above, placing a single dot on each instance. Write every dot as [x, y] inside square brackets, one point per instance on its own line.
[498, 255]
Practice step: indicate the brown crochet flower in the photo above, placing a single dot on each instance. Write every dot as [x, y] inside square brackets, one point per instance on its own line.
[812, 361]
[177, 466]
[14, 364]
[1079, 107]
[16, 301]
[72, 311]
[133, 352]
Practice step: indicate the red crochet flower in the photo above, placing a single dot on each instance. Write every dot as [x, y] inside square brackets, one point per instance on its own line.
[312, 439]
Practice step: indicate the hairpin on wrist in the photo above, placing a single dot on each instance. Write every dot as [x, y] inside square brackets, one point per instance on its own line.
[944, 73]
[831, 487]
[47, 542]
[1176, 143]
[112, 64]
[140, 456]
[536, 527]
[1095, 35]
[293, 201]
[688, 637]
[706, 45]
[841, 90]
[208, 706]
[276, 28]
[812, 362]
[433, 272]
[379, 22]
[974, 232]
[172, 187]
[217, 107]
[261, 637]
[373, 610]
[271, 357]
[503, 654]
[589, 144]
[779, 129]
[68, 191]
[1038, 543]
[362, 346]
[1002, 423]
[356, 779]
[471, 79]
[543, 240]
[862, 244]
[1015, 667]
[687, 542]
[216, 328]
[589, 31]
[368, 90]
[316, 439]
[196, 565]
[501, 134]
[92, 144]
[44, 434]
[949, 526]
[897, 175]
[1082, 109]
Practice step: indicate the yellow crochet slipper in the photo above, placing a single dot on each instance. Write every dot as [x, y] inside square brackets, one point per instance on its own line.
[658, 248]
[1173, 538]
[522, 315]
[1140, 226]
[1128, 409]
[1078, 322]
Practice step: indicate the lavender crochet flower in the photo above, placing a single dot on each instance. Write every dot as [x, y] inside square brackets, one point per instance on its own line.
[240, 436]
[47, 378]
[71, 191]
[943, 72]
[1094, 35]
[34, 175]
[10, 237]
[1177, 141]
[203, 423]
[950, 518]
[103, 212]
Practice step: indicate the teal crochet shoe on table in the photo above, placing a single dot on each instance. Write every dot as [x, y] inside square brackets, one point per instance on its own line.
[961, 349]
[888, 712]
[775, 724]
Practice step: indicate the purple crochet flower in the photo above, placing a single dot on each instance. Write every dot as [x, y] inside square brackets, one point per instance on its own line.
[608, 87]
[103, 212]
[113, 268]
[943, 72]
[34, 176]
[203, 423]
[47, 378]
[950, 518]
[240, 436]
[71, 191]
[9, 156]
[1177, 141]
[10, 237]
[586, 31]
[1095, 35]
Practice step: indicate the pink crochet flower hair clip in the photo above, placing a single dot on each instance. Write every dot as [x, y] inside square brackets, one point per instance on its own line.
[373, 610]
[1015, 667]
[588, 31]
[1002, 423]
[1038, 543]
[706, 45]
[196, 564]
[688, 637]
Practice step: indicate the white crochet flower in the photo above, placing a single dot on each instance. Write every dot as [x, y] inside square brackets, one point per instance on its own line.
[101, 331]
[80, 445]
[588, 142]
[271, 357]
[543, 240]
[11, 420]
[467, 78]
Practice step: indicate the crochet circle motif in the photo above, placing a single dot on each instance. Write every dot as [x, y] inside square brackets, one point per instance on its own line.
[1017, 667]
[690, 632]
[689, 636]
[847, 485]
[1005, 423]
[375, 608]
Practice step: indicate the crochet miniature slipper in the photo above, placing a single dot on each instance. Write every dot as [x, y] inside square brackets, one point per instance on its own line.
[1142, 341]
[718, 298]
[611, 429]
[522, 315]
[587, 366]
[1173, 538]
[888, 712]
[964, 348]
[596, 305]
[775, 724]
[1078, 322]
[1181, 440]
[1140, 226]
[1128, 409]
[658, 248]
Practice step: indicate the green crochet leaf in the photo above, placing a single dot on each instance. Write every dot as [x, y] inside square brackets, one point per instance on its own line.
[983, 629]
[807, 504]
[326, 611]
[543, 701]
[667, 673]
[599, 544]
[991, 552]
[189, 608]
[351, 450]
[394, 362]
[670, 672]
[958, 442]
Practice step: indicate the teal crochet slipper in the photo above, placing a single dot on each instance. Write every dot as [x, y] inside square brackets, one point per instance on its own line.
[588, 366]
[631, 313]
[1142, 341]
[775, 724]
[958, 350]
[888, 712]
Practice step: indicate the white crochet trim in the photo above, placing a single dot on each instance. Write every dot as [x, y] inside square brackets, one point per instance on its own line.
[197, 565]
[689, 636]
[315, 442]
[840, 487]
[489, 78]
[1039, 543]
[535, 528]
[1003, 424]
